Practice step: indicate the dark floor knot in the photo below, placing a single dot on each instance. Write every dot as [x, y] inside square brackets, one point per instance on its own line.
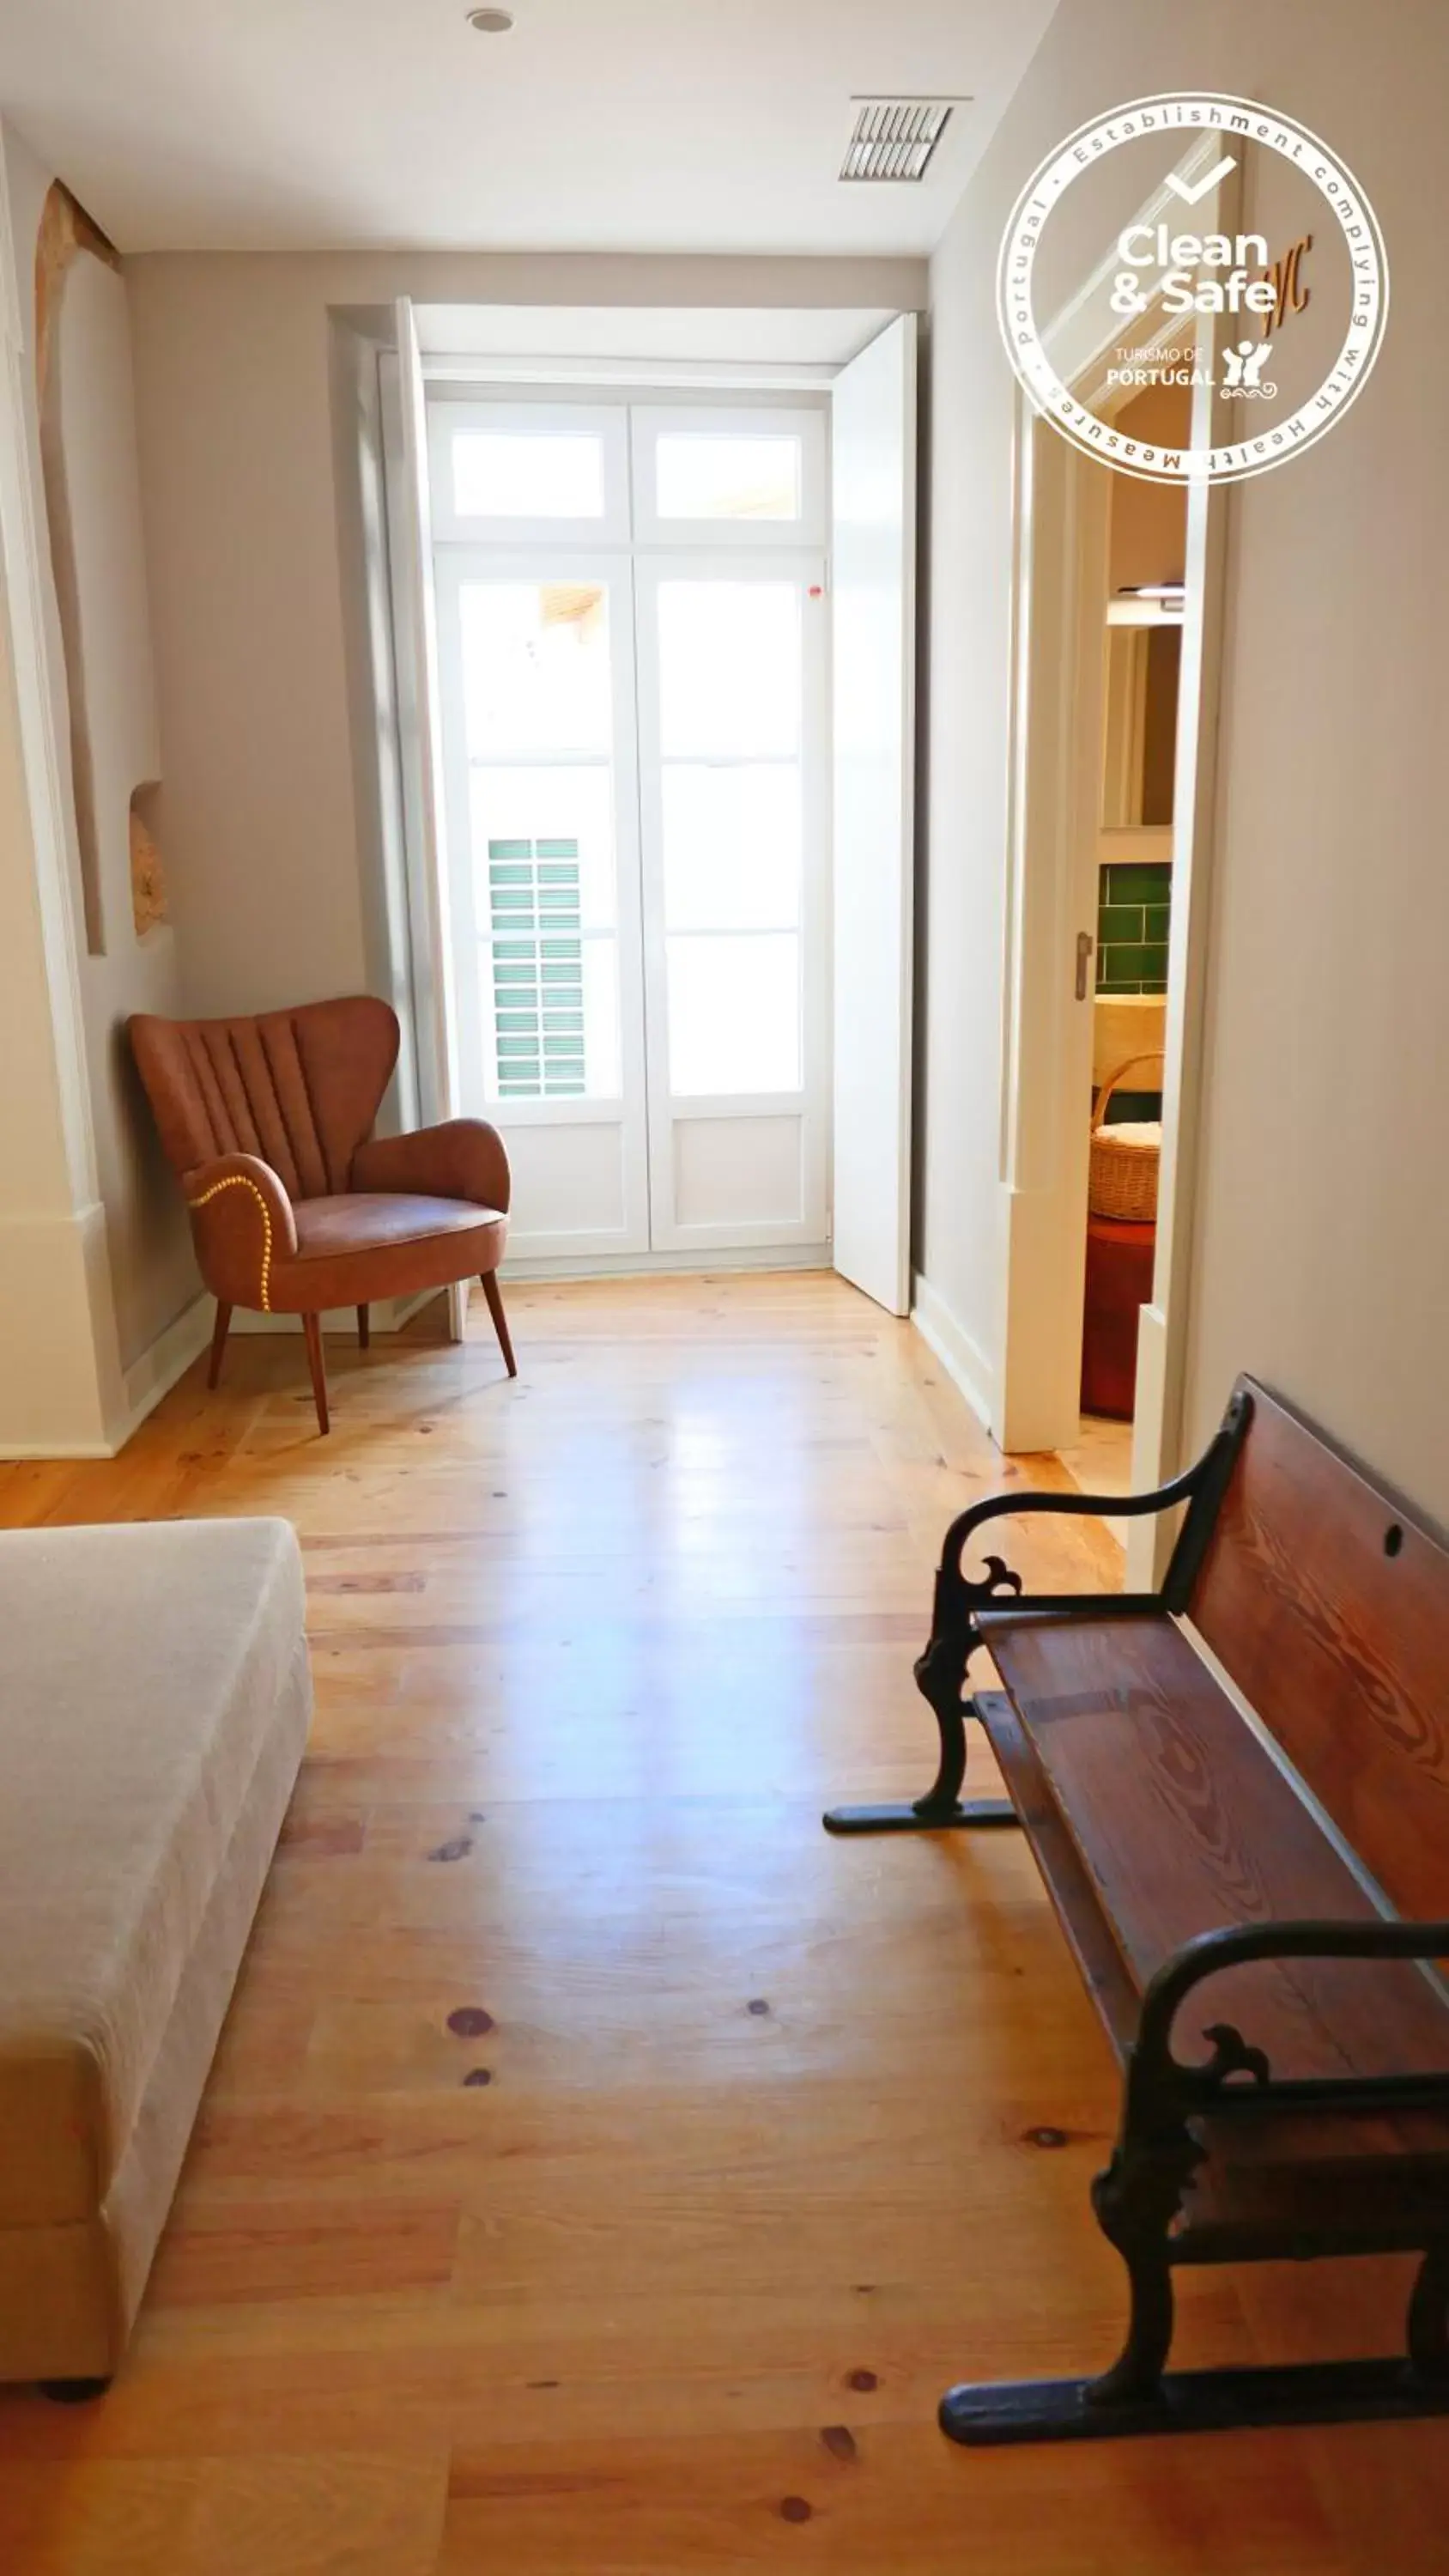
[470, 2021]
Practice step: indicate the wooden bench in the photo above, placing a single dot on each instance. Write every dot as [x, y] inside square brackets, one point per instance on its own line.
[1237, 1793]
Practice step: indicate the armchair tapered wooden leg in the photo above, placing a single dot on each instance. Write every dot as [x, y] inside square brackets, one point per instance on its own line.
[364, 1329]
[218, 1343]
[312, 1327]
[494, 1296]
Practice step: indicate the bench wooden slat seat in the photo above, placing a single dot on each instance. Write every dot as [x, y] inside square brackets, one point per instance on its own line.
[1183, 1822]
[1237, 1792]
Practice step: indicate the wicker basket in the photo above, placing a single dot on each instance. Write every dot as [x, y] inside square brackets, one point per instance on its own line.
[1123, 1178]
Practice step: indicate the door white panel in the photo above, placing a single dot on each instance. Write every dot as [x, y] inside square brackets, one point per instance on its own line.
[739, 1171]
[873, 557]
[569, 1186]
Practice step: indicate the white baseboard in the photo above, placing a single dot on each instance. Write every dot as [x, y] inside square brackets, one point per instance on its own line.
[156, 1371]
[960, 1355]
[60, 1373]
[16, 1453]
[640, 1265]
[142, 1386]
[172, 1353]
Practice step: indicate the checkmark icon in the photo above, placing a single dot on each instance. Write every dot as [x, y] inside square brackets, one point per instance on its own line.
[1191, 196]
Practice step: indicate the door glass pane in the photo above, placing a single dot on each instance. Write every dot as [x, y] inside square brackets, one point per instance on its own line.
[732, 837]
[701, 475]
[538, 700]
[730, 665]
[522, 474]
[536, 668]
[549, 993]
[734, 1013]
[573, 803]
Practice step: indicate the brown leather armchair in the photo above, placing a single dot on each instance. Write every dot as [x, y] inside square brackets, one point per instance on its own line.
[295, 1205]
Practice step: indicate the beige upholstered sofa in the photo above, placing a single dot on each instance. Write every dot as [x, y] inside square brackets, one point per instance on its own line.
[154, 1703]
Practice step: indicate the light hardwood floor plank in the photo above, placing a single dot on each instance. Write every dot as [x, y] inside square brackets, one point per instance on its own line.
[602, 2172]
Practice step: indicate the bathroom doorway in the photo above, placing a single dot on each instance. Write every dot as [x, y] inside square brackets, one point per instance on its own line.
[1075, 759]
[1141, 673]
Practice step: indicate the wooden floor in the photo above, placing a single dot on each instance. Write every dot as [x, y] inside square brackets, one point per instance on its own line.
[603, 2172]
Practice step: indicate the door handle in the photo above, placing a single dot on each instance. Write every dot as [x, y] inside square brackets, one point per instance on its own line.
[1084, 951]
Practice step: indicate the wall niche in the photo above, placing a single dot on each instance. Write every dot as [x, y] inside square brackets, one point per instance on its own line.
[93, 513]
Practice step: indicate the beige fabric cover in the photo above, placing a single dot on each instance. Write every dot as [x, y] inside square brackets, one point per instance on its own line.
[154, 1703]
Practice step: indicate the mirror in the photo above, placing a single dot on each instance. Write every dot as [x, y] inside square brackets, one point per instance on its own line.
[1140, 746]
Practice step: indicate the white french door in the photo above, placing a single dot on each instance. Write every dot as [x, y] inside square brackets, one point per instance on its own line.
[632, 634]
[732, 684]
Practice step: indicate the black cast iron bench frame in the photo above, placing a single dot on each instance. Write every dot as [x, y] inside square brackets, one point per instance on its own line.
[1138, 2197]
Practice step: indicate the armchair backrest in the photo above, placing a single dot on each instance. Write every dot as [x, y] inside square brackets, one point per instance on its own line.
[300, 1089]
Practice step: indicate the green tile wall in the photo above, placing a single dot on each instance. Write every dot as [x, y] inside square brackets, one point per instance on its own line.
[1133, 912]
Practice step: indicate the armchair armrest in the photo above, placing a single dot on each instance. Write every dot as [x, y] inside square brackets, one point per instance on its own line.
[463, 1159]
[241, 1223]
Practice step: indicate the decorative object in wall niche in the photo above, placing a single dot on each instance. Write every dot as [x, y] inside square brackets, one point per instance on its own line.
[65, 228]
[148, 878]
[65, 231]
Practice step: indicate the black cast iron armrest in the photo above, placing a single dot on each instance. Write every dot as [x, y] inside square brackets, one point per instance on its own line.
[1154, 2072]
[955, 1635]
[1201, 1486]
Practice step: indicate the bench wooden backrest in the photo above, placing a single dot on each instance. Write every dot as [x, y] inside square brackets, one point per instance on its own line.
[1329, 1607]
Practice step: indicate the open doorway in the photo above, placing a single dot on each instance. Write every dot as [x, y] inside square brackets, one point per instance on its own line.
[655, 632]
[1068, 751]
[1141, 674]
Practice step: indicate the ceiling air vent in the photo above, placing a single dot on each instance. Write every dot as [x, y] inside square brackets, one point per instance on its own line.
[894, 138]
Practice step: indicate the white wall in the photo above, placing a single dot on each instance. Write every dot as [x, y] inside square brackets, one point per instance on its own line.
[234, 373]
[105, 1260]
[1322, 1257]
[153, 1271]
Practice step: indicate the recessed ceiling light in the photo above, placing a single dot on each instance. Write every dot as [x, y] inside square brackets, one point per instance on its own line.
[491, 22]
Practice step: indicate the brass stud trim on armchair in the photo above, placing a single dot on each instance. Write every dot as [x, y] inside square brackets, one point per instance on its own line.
[239, 1181]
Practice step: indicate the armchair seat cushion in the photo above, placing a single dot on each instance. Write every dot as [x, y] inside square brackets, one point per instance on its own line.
[366, 1244]
[363, 1221]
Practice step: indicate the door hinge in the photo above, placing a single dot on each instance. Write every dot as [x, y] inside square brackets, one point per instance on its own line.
[1084, 951]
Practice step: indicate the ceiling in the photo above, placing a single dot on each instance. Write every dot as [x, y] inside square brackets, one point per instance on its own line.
[645, 125]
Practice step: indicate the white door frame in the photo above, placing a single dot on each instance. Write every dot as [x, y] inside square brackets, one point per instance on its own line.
[874, 540]
[1059, 605]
